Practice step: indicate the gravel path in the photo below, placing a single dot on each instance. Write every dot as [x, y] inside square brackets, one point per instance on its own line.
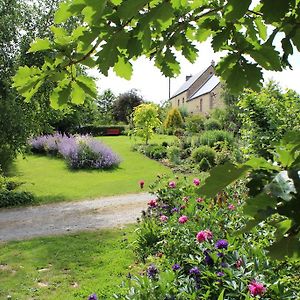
[59, 218]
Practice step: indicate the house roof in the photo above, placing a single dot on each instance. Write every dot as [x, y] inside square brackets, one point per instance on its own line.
[207, 87]
[186, 85]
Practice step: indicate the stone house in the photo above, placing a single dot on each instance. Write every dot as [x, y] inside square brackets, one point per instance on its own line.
[200, 93]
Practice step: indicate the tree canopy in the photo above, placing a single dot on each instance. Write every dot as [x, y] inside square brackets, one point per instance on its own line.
[253, 35]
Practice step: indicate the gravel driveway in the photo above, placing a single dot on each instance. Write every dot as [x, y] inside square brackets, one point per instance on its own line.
[59, 218]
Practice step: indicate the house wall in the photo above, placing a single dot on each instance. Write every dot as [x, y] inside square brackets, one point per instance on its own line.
[181, 98]
[209, 102]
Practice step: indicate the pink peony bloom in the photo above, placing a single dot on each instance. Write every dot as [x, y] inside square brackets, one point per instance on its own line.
[231, 207]
[163, 218]
[172, 184]
[256, 288]
[196, 181]
[199, 200]
[141, 183]
[152, 203]
[183, 219]
[204, 235]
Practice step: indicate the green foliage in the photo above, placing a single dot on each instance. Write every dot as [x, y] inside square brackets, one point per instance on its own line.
[212, 138]
[194, 124]
[145, 119]
[104, 104]
[174, 119]
[155, 151]
[113, 33]
[212, 124]
[266, 116]
[174, 154]
[204, 152]
[124, 105]
[273, 189]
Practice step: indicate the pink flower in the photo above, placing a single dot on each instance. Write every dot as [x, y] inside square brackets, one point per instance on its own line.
[152, 203]
[185, 199]
[196, 181]
[256, 288]
[141, 182]
[199, 200]
[183, 219]
[231, 207]
[172, 184]
[238, 263]
[182, 207]
[163, 218]
[204, 235]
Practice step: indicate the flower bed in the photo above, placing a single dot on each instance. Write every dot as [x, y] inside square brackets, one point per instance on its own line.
[80, 152]
[191, 250]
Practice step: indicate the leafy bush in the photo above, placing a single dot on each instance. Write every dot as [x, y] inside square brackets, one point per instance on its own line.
[212, 124]
[194, 124]
[13, 198]
[179, 132]
[191, 249]
[99, 130]
[204, 152]
[79, 151]
[174, 154]
[212, 137]
[156, 151]
[174, 120]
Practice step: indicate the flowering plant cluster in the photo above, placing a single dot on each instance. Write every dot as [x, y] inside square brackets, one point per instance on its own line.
[191, 250]
[80, 152]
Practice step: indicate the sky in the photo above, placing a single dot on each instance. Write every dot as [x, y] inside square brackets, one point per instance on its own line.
[153, 86]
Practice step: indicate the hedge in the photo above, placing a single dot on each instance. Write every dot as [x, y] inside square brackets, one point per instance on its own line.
[103, 130]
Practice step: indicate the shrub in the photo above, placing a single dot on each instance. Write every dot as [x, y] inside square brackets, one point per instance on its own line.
[79, 151]
[204, 152]
[13, 198]
[165, 144]
[212, 137]
[179, 132]
[174, 119]
[212, 124]
[174, 154]
[194, 124]
[156, 151]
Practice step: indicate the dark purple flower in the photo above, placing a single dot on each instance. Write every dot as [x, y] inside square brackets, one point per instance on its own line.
[220, 254]
[224, 265]
[221, 244]
[176, 267]
[194, 271]
[220, 274]
[174, 210]
[93, 297]
[152, 271]
[208, 260]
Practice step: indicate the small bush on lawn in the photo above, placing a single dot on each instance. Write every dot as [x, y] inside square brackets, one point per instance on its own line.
[174, 154]
[80, 152]
[156, 151]
[204, 152]
[212, 124]
[194, 124]
[212, 137]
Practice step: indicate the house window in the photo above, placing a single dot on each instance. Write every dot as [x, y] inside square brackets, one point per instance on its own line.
[211, 103]
[201, 104]
[182, 101]
[178, 102]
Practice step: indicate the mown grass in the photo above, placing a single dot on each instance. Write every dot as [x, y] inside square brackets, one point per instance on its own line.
[50, 180]
[66, 267]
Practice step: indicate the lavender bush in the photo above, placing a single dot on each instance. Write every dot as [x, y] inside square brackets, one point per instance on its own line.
[80, 152]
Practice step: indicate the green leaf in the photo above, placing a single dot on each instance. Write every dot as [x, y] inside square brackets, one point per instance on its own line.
[93, 11]
[220, 39]
[236, 9]
[261, 27]
[220, 177]
[68, 9]
[77, 94]
[287, 246]
[123, 68]
[259, 163]
[254, 76]
[130, 8]
[203, 34]
[60, 95]
[236, 80]
[116, 2]
[221, 296]
[296, 39]
[274, 10]
[40, 45]
[267, 57]
[88, 85]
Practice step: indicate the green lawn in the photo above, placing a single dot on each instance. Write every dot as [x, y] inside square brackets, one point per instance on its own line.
[50, 179]
[66, 267]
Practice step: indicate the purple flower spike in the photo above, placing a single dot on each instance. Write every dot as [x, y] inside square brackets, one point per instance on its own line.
[93, 297]
[152, 271]
[194, 271]
[176, 267]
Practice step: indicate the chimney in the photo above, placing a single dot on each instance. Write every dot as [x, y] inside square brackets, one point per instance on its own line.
[188, 77]
[213, 63]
